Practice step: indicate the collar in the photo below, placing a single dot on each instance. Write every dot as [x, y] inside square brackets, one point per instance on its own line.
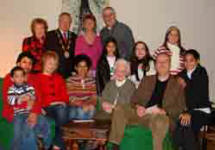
[111, 28]
[120, 83]
[190, 72]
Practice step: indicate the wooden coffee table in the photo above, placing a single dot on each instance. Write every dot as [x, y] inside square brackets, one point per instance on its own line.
[85, 130]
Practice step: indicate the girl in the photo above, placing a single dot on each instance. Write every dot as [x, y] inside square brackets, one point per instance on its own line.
[172, 46]
[106, 64]
[54, 94]
[142, 63]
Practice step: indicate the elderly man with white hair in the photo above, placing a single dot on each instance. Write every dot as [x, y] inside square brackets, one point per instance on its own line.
[118, 91]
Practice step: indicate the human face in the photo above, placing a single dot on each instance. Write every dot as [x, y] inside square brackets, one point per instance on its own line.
[18, 77]
[190, 62]
[162, 64]
[111, 48]
[140, 51]
[64, 23]
[173, 37]
[39, 30]
[109, 18]
[89, 25]
[50, 66]
[26, 64]
[82, 69]
[120, 72]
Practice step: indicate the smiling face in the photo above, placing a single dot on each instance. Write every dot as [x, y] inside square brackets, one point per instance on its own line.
[89, 25]
[140, 51]
[162, 64]
[26, 64]
[65, 23]
[50, 65]
[190, 62]
[173, 37]
[121, 71]
[39, 30]
[109, 17]
[82, 69]
[111, 49]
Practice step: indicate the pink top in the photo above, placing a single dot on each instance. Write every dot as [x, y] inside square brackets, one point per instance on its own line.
[93, 50]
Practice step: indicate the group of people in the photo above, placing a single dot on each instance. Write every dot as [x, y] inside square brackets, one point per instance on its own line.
[61, 76]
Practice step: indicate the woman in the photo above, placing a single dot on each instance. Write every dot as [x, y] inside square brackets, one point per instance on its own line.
[105, 66]
[35, 43]
[172, 45]
[82, 90]
[142, 63]
[54, 95]
[88, 42]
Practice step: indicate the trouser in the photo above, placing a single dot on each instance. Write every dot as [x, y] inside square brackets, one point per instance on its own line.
[126, 115]
[60, 115]
[187, 136]
[25, 137]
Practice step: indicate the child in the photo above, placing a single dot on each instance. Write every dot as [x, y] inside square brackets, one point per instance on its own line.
[196, 91]
[104, 70]
[54, 94]
[21, 96]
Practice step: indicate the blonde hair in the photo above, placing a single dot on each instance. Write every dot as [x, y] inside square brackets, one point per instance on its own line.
[50, 54]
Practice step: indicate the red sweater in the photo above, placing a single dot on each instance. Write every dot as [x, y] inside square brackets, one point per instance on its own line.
[7, 111]
[52, 89]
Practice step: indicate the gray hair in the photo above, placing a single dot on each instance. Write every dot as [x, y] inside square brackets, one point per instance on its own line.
[125, 63]
[109, 8]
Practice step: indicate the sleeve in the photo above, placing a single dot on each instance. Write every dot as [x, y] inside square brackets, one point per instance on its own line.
[161, 49]
[138, 94]
[204, 85]
[106, 92]
[25, 45]
[12, 97]
[38, 100]
[78, 46]
[63, 90]
[129, 40]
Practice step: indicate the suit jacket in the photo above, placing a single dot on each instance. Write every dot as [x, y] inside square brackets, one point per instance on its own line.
[173, 100]
[53, 43]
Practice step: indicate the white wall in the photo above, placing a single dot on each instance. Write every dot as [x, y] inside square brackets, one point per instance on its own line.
[149, 20]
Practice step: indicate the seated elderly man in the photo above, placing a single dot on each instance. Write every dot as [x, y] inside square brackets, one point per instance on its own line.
[157, 104]
[118, 91]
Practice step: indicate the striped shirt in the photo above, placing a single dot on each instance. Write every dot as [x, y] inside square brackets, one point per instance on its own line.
[81, 89]
[15, 94]
[177, 59]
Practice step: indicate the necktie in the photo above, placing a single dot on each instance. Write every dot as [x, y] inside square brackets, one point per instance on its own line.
[64, 37]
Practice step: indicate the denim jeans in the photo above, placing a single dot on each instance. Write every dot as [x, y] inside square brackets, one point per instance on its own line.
[79, 113]
[59, 114]
[25, 136]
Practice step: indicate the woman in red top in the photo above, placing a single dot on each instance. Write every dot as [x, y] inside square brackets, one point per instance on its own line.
[53, 94]
[35, 43]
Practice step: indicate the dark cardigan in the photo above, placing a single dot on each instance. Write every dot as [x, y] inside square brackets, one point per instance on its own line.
[196, 90]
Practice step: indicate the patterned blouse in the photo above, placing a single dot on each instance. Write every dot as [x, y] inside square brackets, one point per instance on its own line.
[36, 48]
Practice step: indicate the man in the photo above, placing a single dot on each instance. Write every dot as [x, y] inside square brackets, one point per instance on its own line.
[26, 61]
[62, 41]
[156, 104]
[121, 32]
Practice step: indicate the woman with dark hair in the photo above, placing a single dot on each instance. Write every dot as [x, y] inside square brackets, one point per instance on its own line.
[35, 43]
[82, 90]
[104, 70]
[172, 46]
[88, 42]
[142, 63]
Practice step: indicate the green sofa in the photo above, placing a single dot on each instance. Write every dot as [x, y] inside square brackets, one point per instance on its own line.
[6, 129]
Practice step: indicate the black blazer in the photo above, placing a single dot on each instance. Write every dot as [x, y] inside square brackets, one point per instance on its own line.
[102, 74]
[53, 43]
[197, 89]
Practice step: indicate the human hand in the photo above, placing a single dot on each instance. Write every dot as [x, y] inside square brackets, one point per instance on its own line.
[141, 111]
[185, 119]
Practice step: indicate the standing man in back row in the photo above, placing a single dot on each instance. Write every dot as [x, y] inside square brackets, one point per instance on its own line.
[121, 32]
[62, 41]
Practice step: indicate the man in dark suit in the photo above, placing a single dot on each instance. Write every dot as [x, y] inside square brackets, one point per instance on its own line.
[62, 41]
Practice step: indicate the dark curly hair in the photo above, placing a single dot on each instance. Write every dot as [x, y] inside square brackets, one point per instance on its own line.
[81, 58]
